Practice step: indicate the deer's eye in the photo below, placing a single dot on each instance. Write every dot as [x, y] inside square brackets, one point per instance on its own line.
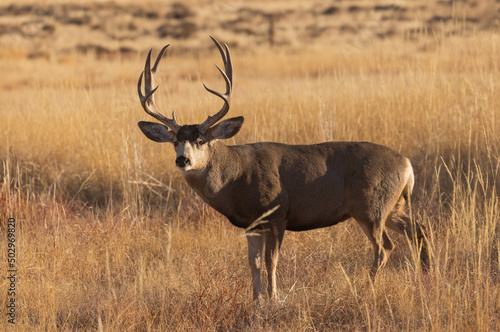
[200, 142]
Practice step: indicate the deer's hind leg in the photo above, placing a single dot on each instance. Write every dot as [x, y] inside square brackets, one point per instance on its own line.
[400, 221]
[382, 243]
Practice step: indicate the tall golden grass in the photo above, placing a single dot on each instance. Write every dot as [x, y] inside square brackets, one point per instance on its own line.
[110, 237]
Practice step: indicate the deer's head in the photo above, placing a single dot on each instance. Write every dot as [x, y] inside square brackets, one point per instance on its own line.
[192, 143]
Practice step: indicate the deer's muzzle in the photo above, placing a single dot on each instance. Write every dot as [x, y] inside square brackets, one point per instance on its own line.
[182, 162]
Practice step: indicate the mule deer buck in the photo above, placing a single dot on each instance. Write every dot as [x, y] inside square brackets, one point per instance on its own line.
[312, 186]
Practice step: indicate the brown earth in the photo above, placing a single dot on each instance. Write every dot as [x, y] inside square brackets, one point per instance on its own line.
[51, 28]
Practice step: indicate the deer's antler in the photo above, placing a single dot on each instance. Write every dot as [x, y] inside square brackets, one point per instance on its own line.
[227, 74]
[147, 100]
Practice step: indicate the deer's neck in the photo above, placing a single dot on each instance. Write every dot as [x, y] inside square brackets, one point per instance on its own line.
[213, 183]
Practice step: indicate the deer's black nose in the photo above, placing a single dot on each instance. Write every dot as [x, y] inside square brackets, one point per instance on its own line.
[182, 162]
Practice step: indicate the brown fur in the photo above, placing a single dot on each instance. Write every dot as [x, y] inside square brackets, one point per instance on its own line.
[314, 186]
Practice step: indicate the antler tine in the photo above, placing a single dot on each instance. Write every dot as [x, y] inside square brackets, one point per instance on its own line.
[226, 58]
[227, 74]
[147, 100]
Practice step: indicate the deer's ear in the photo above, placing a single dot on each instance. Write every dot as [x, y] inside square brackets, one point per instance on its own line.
[227, 128]
[156, 132]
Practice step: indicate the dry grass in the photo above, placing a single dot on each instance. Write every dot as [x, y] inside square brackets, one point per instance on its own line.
[110, 237]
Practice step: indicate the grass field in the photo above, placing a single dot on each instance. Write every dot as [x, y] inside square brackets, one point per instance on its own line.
[109, 236]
